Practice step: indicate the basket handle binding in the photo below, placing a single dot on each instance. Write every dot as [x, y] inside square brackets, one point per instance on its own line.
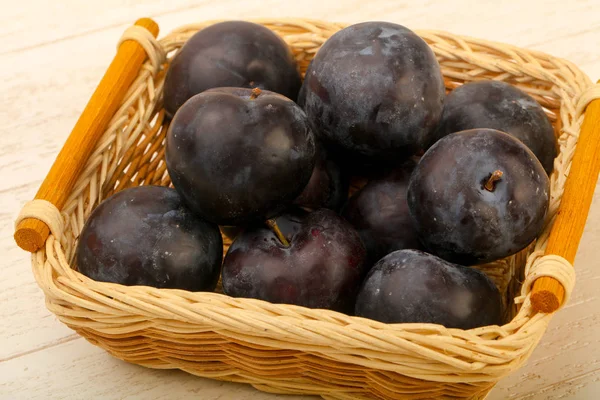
[547, 294]
[31, 233]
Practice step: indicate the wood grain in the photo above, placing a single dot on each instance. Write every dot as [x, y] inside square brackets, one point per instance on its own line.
[41, 375]
[54, 64]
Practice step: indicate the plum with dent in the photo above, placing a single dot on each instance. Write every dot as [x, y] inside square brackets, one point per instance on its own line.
[411, 286]
[477, 196]
[375, 92]
[238, 155]
[318, 262]
[500, 106]
[231, 54]
[379, 212]
[146, 236]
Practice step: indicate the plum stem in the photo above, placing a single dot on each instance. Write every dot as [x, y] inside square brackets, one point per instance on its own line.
[490, 185]
[273, 225]
[255, 93]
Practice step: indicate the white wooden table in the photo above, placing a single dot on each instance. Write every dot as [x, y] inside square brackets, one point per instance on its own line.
[53, 54]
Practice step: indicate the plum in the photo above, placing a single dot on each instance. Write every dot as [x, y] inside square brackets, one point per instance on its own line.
[328, 185]
[500, 106]
[231, 54]
[375, 92]
[238, 155]
[379, 212]
[411, 286]
[146, 236]
[317, 262]
[477, 196]
[286, 222]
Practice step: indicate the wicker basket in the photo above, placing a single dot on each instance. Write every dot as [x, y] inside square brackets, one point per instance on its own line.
[284, 348]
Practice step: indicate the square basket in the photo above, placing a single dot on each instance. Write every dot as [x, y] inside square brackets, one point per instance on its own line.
[119, 142]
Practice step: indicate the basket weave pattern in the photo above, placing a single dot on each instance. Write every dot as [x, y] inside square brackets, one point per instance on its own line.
[284, 348]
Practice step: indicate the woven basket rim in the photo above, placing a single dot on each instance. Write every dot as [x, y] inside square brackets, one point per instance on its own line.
[71, 295]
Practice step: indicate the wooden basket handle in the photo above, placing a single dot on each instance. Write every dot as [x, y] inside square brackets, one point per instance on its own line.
[31, 233]
[547, 294]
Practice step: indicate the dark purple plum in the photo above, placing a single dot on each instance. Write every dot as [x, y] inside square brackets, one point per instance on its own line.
[146, 236]
[287, 223]
[321, 267]
[290, 221]
[500, 106]
[411, 286]
[375, 92]
[477, 196]
[231, 54]
[328, 185]
[238, 156]
[379, 212]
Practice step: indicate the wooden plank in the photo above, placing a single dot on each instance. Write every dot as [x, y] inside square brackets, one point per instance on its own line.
[484, 19]
[27, 325]
[23, 22]
[586, 386]
[78, 370]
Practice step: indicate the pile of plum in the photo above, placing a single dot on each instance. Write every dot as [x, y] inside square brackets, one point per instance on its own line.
[266, 158]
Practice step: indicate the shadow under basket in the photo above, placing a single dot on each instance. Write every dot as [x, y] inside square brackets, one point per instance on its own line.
[288, 349]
